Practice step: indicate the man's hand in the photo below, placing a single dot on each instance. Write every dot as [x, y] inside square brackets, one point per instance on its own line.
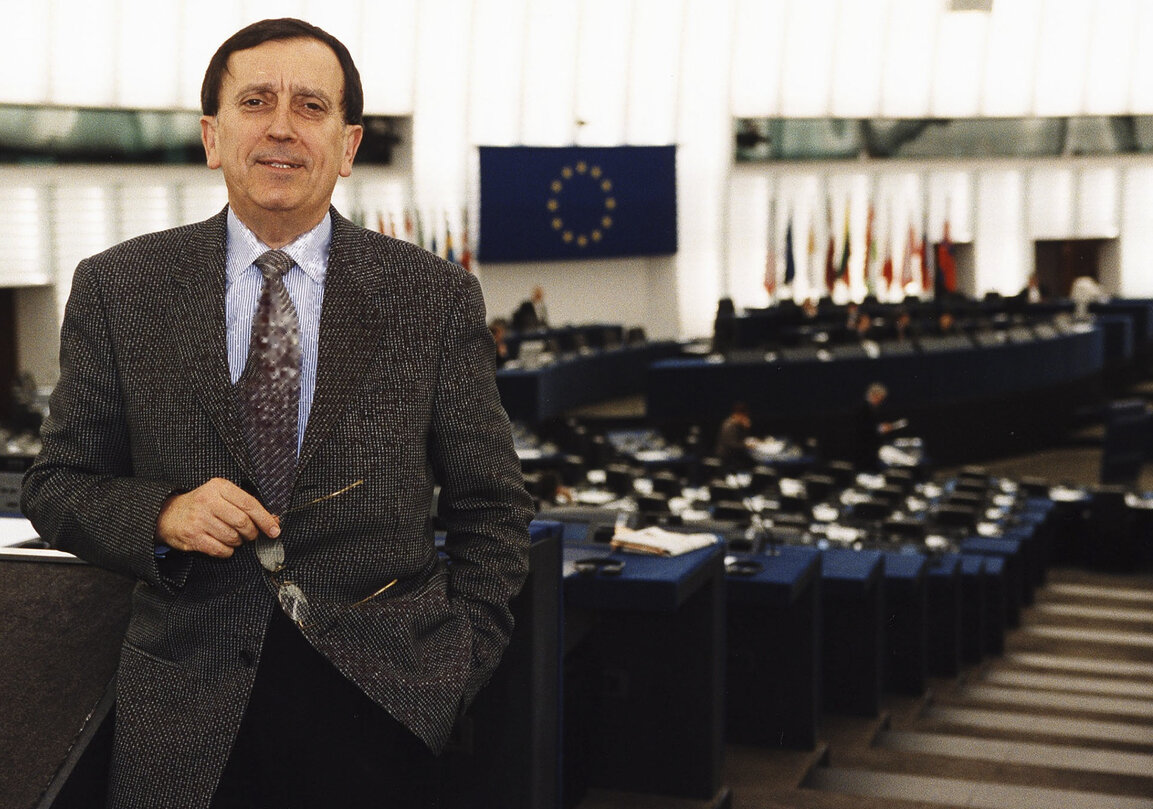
[213, 519]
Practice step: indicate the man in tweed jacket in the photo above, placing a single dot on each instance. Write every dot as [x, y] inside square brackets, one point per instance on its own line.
[145, 470]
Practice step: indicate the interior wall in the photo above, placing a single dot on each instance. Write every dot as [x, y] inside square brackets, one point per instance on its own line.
[613, 72]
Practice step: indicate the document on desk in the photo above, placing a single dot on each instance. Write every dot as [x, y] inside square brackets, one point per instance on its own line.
[14, 530]
[659, 542]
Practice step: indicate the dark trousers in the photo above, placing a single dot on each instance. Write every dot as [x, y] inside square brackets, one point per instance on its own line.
[311, 739]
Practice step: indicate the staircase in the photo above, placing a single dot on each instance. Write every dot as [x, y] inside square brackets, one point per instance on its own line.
[1063, 719]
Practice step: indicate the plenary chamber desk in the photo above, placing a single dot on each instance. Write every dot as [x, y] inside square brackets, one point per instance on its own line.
[644, 674]
[546, 390]
[966, 397]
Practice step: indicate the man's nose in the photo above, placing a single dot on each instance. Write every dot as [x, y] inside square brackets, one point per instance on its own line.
[281, 126]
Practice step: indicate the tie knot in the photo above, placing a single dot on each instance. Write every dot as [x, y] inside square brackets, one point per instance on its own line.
[274, 264]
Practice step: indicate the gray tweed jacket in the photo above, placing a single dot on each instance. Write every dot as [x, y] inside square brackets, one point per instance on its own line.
[405, 400]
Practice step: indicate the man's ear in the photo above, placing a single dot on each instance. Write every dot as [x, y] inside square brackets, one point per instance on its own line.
[208, 137]
[353, 133]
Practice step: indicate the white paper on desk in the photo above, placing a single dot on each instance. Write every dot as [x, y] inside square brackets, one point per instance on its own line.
[14, 530]
[658, 541]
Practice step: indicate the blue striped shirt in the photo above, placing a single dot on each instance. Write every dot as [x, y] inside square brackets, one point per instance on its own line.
[305, 283]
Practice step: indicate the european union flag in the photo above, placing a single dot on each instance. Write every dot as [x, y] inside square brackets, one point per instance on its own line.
[543, 203]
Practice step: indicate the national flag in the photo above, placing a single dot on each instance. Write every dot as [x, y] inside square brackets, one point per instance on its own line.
[946, 263]
[830, 252]
[870, 250]
[407, 224]
[907, 260]
[887, 265]
[541, 203]
[770, 280]
[790, 262]
[843, 267]
[465, 252]
[381, 226]
[418, 236]
[449, 253]
[926, 262]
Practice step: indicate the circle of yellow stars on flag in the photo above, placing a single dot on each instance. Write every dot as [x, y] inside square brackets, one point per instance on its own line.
[590, 230]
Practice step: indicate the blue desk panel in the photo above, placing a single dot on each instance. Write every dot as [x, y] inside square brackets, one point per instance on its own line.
[772, 673]
[946, 615]
[644, 684]
[906, 622]
[852, 631]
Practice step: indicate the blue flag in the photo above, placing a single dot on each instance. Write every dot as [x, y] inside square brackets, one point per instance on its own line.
[542, 203]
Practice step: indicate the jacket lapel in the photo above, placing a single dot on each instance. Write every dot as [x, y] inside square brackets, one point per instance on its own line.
[350, 330]
[198, 308]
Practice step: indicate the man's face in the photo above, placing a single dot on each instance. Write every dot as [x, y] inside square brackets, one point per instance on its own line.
[279, 135]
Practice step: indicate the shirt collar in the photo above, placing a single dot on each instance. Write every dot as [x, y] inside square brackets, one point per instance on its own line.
[309, 250]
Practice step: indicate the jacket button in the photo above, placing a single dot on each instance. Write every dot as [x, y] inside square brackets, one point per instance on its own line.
[246, 658]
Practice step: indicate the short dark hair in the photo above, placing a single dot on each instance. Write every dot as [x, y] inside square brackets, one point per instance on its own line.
[283, 28]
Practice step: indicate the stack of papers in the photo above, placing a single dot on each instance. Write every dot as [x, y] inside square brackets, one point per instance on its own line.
[659, 542]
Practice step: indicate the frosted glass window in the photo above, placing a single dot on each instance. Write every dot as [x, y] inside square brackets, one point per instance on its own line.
[1050, 199]
[440, 136]
[654, 72]
[751, 230]
[958, 64]
[1062, 58]
[144, 208]
[1098, 192]
[602, 70]
[498, 31]
[908, 67]
[23, 236]
[146, 67]
[758, 42]
[1141, 90]
[82, 224]
[1111, 47]
[387, 58]
[808, 58]
[83, 39]
[861, 47]
[204, 25]
[24, 59]
[550, 74]
[1010, 61]
[199, 201]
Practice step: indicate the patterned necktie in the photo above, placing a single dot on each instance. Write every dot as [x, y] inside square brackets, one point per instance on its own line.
[269, 388]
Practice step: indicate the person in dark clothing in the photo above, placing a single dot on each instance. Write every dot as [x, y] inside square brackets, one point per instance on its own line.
[733, 438]
[872, 428]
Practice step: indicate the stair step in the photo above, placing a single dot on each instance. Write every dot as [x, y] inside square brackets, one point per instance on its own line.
[1095, 665]
[1096, 613]
[1030, 754]
[1098, 593]
[1124, 733]
[1139, 709]
[960, 792]
[1060, 682]
[1093, 636]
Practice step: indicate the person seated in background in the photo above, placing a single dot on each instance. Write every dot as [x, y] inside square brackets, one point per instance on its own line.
[499, 329]
[1084, 292]
[531, 314]
[724, 330]
[734, 439]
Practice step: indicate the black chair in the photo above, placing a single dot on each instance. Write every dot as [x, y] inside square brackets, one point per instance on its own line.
[619, 478]
[667, 483]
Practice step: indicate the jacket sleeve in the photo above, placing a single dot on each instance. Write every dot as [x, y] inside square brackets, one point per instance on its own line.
[80, 493]
[483, 503]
